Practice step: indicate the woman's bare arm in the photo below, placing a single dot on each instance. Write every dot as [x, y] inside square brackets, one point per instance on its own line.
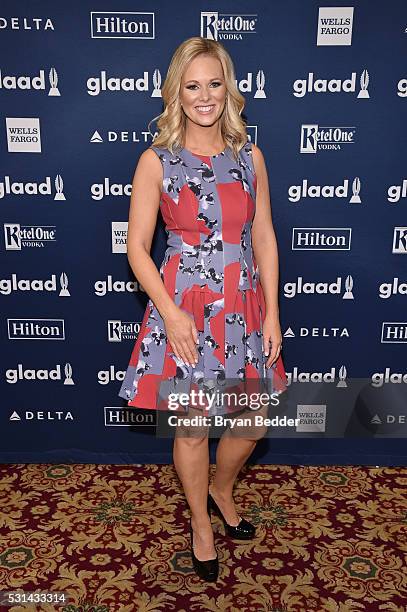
[144, 206]
[263, 237]
[266, 254]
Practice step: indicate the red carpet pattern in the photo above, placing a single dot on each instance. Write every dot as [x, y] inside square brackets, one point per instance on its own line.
[115, 539]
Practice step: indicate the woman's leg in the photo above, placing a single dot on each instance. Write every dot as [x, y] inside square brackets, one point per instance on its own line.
[234, 448]
[231, 455]
[191, 461]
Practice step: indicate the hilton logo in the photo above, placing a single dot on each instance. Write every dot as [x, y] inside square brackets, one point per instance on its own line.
[118, 24]
[394, 333]
[36, 329]
[123, 417]
[321, 238]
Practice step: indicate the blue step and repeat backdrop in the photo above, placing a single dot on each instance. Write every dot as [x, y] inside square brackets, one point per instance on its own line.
[326, 98]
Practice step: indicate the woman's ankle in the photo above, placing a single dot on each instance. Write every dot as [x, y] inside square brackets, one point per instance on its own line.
[200, 521]
[219, 494]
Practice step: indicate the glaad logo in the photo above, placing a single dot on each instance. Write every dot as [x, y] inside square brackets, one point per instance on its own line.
[317, 332]
[103, 287]
[100, 190]
[402, 88]
[156, 93]
[394, 332]
[119, 236]
[387, 290]
[19, 374]
[321, 238]
[17, 236]
[296, 376]
[395, 192]
[26, 82]
[36, 329]
[23, 134]
[400, 241]
[315, 138]
[303, 86]
[117, 331]
[335, 25]
[110, 375]
[97, 84]
[297, 192]
[9, 187]
[292, 289]
[381, 378]
[8, 285]
[115, 24]
[219, 26]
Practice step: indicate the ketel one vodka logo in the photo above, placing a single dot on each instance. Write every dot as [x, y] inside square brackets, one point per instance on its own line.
[9, 187]
[315, 138]
[221, 26]
[26, 82]
[312, 85]
[400, 241]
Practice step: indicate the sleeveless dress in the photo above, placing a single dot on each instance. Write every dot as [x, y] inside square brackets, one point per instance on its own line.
[209, 270]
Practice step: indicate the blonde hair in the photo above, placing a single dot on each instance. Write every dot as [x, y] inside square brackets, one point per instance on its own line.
[172, 121]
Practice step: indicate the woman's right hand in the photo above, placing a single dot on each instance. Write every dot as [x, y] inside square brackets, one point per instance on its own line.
[182, 334]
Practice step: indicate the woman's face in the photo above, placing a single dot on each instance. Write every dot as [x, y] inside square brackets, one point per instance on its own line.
[203, 90]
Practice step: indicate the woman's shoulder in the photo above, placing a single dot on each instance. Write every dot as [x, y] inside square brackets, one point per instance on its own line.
[152, 152]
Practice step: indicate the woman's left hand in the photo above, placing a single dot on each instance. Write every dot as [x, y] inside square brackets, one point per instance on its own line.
[272, 339]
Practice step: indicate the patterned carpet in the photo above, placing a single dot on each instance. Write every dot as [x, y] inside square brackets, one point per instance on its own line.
[115, 539]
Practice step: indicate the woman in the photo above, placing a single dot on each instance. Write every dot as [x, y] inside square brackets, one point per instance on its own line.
[208, 317]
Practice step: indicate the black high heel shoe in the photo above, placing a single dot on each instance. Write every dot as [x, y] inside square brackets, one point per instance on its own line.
[207, 570]
[242, 531]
